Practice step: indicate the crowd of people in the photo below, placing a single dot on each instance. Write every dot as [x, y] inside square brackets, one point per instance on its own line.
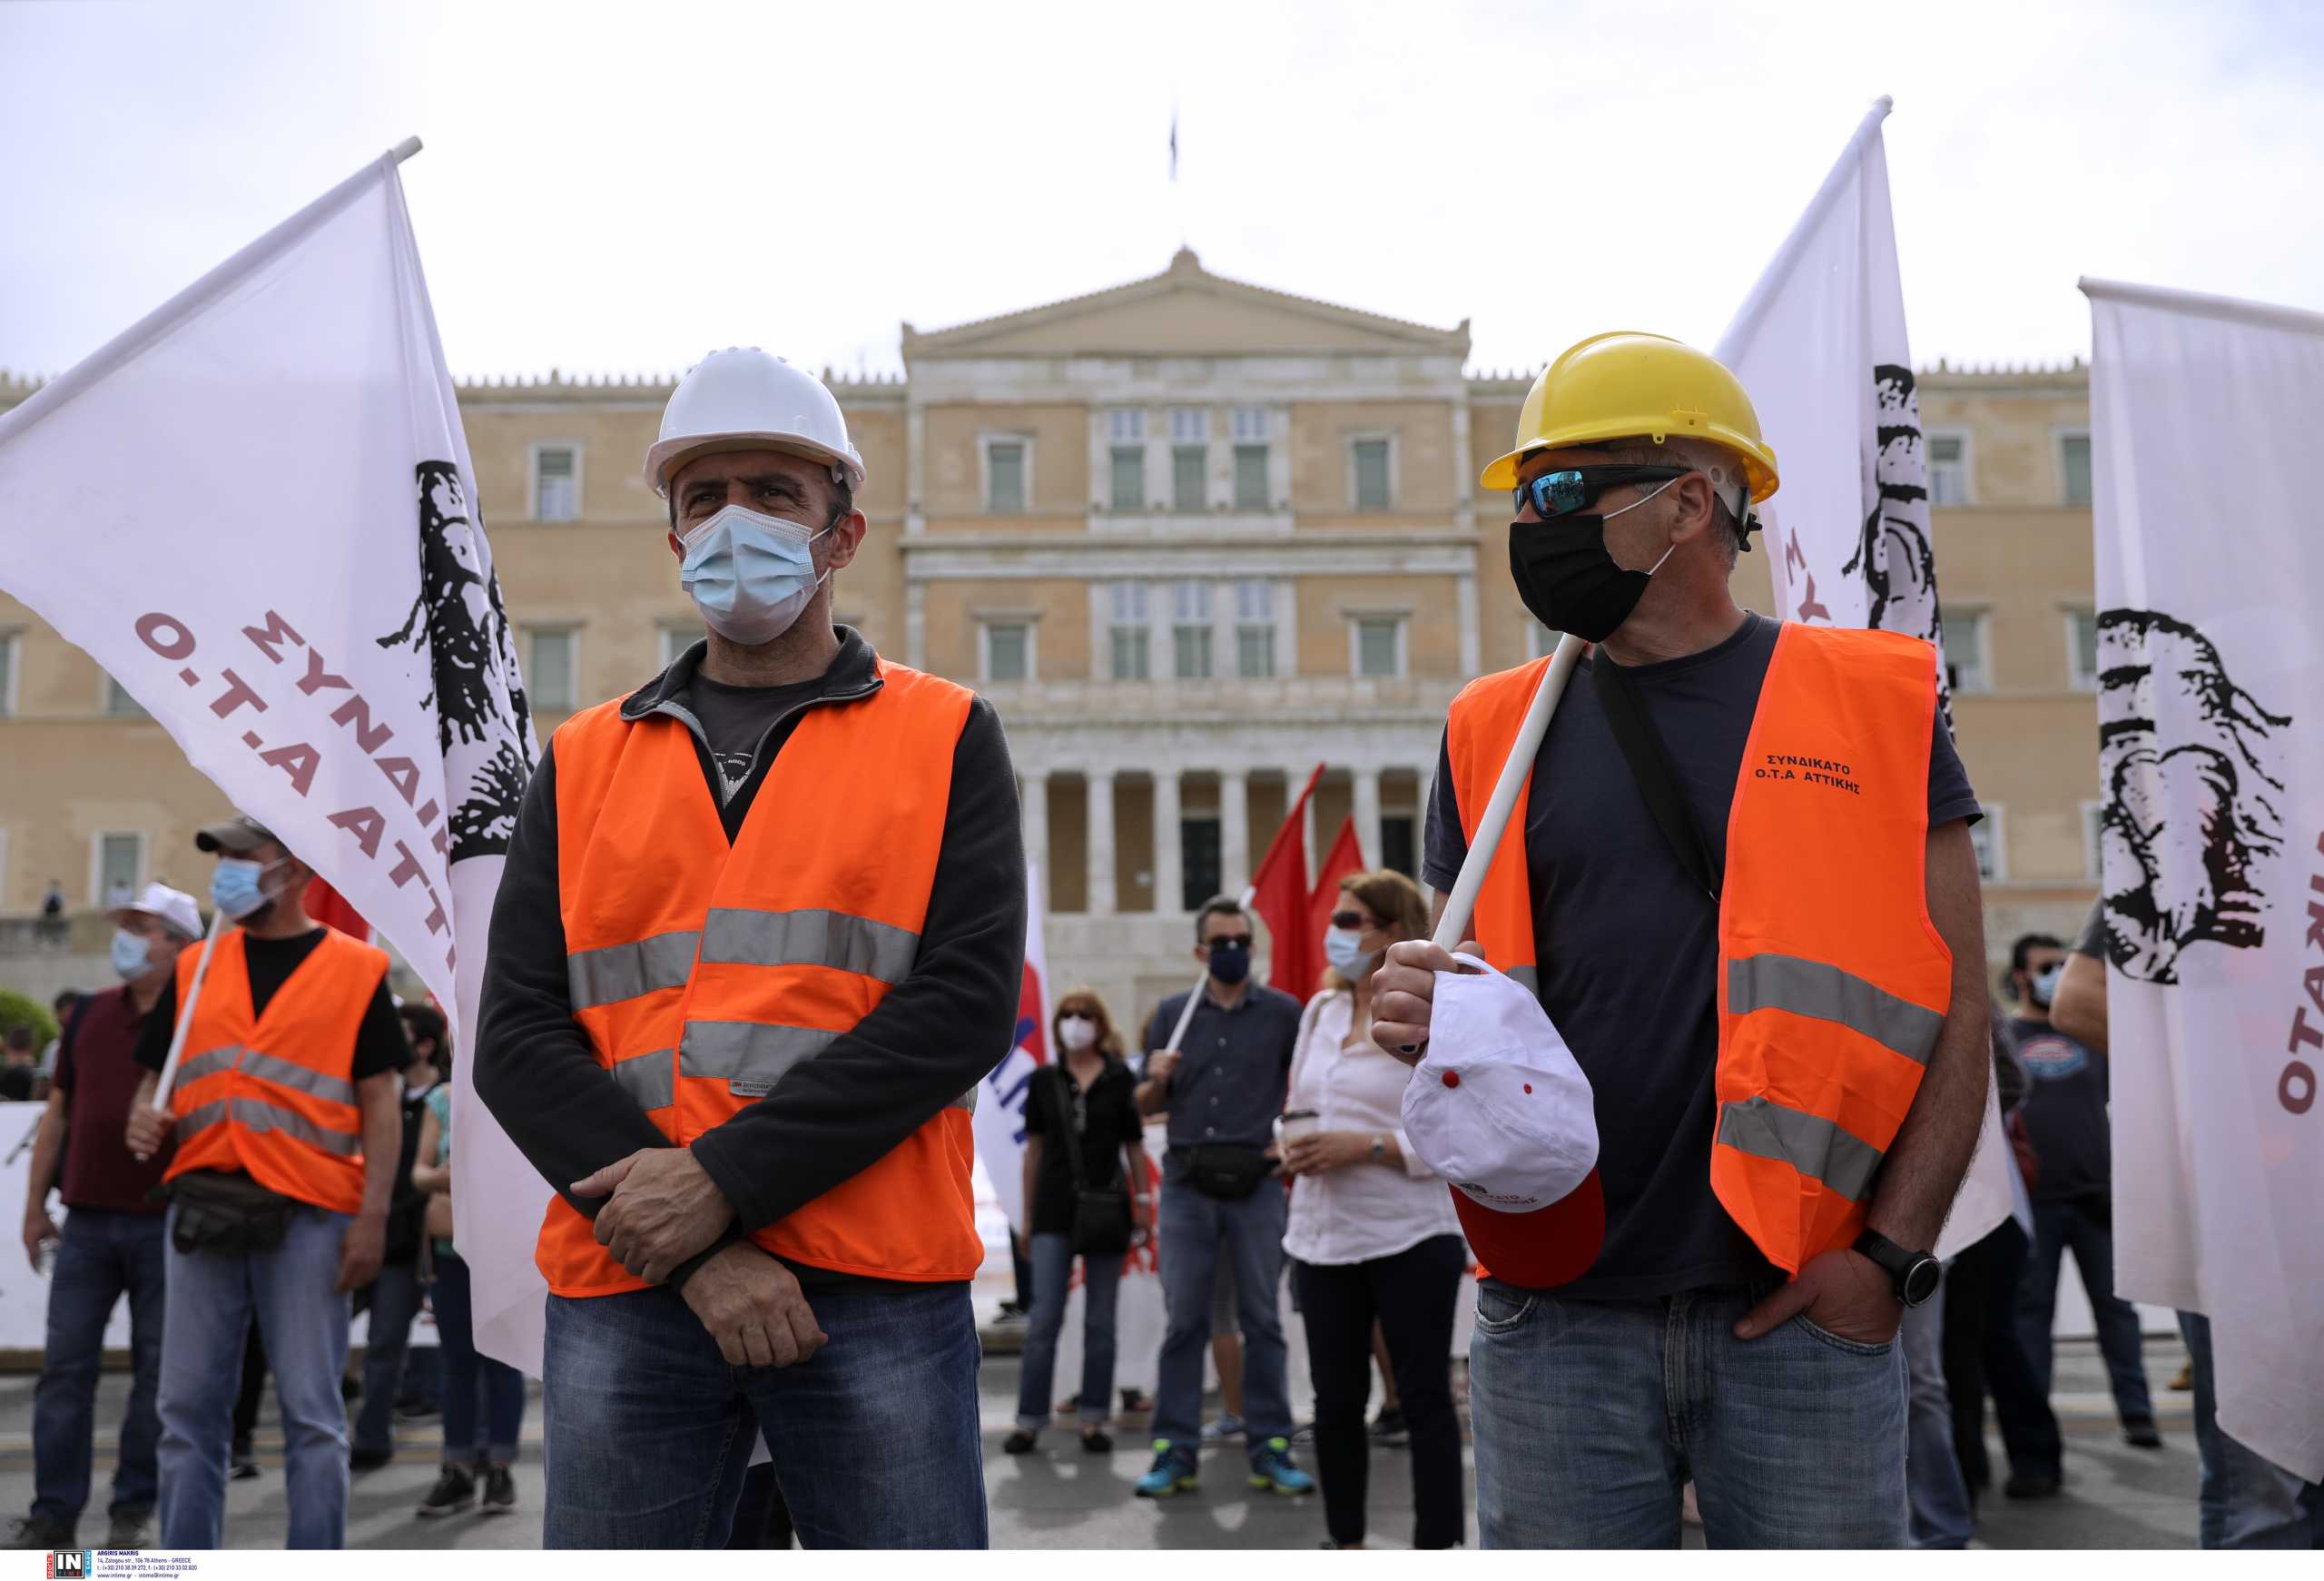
[1691, 1101]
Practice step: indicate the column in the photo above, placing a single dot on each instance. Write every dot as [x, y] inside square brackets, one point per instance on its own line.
[1424, 785]
[1367, 814]
[1037, 830]
[1169, 875]
[1101, 816]
[1464, 591]
[1233, 830]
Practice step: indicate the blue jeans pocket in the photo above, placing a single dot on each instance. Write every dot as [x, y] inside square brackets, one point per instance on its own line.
[1845, 1346]
[1502, 1311]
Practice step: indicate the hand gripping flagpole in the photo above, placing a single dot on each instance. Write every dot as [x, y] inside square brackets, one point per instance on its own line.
[1455, 922]
[185, 1014]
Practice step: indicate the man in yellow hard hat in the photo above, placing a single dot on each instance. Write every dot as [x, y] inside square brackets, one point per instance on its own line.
[1740, 883]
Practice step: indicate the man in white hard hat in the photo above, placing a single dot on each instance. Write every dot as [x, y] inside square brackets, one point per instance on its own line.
[759, 940]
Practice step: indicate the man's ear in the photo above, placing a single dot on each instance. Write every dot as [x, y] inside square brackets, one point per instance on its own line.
[847, 537]
[1697, 509]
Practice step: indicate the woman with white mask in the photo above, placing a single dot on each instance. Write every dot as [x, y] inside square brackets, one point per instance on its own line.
[1372, 1233]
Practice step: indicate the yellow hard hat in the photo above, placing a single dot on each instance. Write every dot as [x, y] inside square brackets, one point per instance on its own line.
[1628, 385]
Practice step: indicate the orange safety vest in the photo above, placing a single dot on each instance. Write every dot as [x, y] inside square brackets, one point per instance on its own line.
[272, 1096]
[702, 972]
[1833, 982]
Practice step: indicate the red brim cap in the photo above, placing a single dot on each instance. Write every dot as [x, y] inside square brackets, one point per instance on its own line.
[1539, 1250]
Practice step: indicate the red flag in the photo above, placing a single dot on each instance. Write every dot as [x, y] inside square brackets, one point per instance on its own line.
[329, 907]
[1346, 856]
[1279, 895]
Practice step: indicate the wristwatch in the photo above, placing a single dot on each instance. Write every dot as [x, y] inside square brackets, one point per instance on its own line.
[1915, 1273]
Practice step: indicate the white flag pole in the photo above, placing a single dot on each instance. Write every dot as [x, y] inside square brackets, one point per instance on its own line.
[1194, 997]
[185, 1014]
[1495, 821]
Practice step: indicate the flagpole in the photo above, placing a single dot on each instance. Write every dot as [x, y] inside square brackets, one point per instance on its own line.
[1455, 922]
[186, 1015]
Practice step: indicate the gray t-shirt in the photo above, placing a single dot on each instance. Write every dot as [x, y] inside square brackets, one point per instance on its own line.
[1628, 948]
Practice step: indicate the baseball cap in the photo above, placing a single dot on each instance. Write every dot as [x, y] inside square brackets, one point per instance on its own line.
[237, 837]
[1500, 1108]
[173, 906]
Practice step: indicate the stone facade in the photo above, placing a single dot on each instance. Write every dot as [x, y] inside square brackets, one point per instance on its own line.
[1191, 537]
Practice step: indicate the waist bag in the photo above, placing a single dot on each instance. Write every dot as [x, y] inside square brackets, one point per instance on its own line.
[227, 1213]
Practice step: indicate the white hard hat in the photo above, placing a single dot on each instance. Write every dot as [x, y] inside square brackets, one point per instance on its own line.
[743, 399]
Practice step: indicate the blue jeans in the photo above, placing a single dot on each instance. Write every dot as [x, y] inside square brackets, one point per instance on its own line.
[1590, 1415]
[876, 1438]
[1101, 1280]
[1936, 1493]
[2059, 1226]
[304, 1322]
[493, 1439]
[395, 1302]
[100, 1257]
[1197, 1231]
[2246, 1500]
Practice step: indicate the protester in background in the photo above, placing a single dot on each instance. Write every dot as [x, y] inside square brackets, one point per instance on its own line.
[52, 927]
[1083, 1133]
[479, 1449]
[1637, 885]
[1021, 1267]
[66, 1001]
[1372, 1239]
[2244, 1499]
[288, 1138]
[395, 1295]
[112, 1242]
[2065, 1121]
[19, 1066]
[1221, 1201]
[832, 842]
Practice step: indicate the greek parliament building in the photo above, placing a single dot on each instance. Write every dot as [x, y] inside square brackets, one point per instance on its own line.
[1192, 537]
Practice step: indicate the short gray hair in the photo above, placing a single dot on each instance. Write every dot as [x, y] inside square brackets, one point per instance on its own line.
[1725, 471]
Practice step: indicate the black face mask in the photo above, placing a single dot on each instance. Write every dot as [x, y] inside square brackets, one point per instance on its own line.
[1569, 581]
[1230, 960]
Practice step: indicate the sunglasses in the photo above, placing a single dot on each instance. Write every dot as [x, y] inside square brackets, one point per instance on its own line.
[1234, 942]
[1354, 921]
[1077, 1016]
[1556, 494]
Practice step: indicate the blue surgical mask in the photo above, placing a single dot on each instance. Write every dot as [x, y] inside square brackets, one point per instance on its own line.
[131, 954]
[235, 888]
[749, 575]
[1344, 948]
[2045, 983]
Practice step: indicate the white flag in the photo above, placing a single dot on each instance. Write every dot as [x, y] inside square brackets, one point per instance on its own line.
[1820, 345]
[2210, 662]
[255, 509]
[999, 1120]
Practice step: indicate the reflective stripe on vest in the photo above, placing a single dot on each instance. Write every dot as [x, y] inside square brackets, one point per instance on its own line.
[706, 972]
[1812, 1145]
[258, 1115]
[1811, 988]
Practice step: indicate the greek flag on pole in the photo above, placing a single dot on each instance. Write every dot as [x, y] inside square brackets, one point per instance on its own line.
[2210, 709]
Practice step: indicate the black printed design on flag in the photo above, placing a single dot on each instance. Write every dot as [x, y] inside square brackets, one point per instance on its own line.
[2190, 818]
[1893, 555]
[458, 622]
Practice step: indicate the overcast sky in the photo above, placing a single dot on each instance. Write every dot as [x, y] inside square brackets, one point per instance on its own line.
[620, 188]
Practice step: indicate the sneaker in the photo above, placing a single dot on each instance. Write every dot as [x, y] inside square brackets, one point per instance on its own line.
[243, 1461]
[2184, 1380]
[499, 1490]
[420, 1412]
[1096, 1441]
[1136, 1399]
[369, 1459]
[1305, 1433]
[2142, 1436]
[1011, 1312]
[1273, 1472]
[2032, 1484]
[1388, 1428]
[127, 1530]
[1020, 1442]
[1227, 1426]
[34, 1532]
[455, 1490]
[1174, 1471]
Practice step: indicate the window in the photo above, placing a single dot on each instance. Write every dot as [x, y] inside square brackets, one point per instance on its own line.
[556, 483]
[1190, 631]
[2082, 648]
[548, 669]
[1986, 839]
[2073, 468]
[1965, 652]
[1004, 476]
[1126, 426]
[1129, 477]
[1398, 845]
[1250, 429]
[1254, 630]
[1130, 636]
[119, 704]
[119, 868]
[1007, 650]
[1948, 469]
[10, 647]
[1198, 857]
[1188, 464]
[1189, 425]
[675, 640]
[1371, 458]
[1379, 647]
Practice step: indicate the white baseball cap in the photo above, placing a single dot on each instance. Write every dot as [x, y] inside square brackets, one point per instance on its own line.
[1500, 1108]
[173, 906]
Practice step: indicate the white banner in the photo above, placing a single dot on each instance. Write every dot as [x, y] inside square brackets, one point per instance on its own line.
[2210, 662]
[1820, 345]
[999, 1123]
[255, 509]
